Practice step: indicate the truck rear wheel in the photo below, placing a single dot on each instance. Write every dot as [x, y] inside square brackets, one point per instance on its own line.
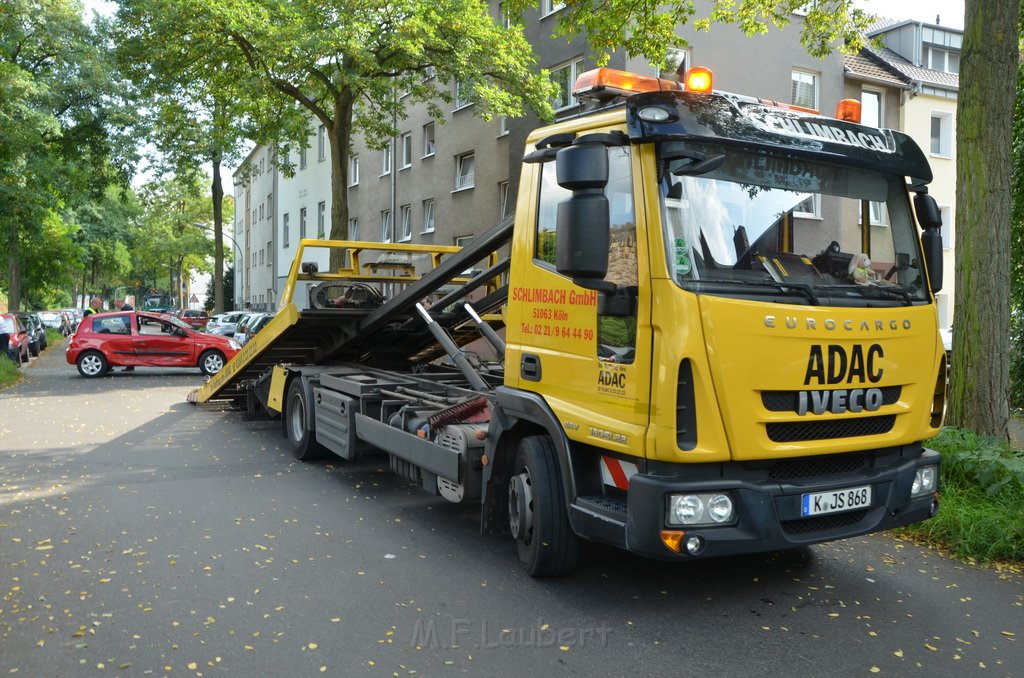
[536, 508]
[298, 418]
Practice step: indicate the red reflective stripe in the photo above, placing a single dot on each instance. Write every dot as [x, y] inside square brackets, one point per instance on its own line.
[618, 475]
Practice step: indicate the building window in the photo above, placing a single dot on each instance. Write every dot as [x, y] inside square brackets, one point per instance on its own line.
[407, 150]
[462, 90]
[464, 171]
[284, 229]
[428, 140]
[385, 225]
[463, 240]
[810, 208]
[270, 251]
[942, 134]
[405, 223]
[871, 108]
[302, 223]
[878, 214]
[676, 63]
[321, 218]
[261, 211]
[353, 229]
[428, 216]
[947, 226]
[941, 60]
[261, 257]
[565, 77]
[321, 143]
[805, 89]
[550, 7]
[502, 126]
[353, 170]
[506, 17]
[502, 199]
[385, 159]
[302, 158]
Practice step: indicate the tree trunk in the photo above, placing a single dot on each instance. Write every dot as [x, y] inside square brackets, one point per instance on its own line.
[218, 236]
[340, 138]
[979, 378]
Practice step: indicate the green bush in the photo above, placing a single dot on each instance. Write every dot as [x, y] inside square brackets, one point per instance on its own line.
[981, 514]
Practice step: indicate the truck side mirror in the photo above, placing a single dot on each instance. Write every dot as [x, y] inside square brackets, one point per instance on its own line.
[930, 218]
[583, 221]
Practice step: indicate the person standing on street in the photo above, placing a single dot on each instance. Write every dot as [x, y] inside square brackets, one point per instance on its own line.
[129, 303]
[94, 307]
[6, 330]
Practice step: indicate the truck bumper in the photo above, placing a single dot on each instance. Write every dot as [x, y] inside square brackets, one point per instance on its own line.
[768, 504]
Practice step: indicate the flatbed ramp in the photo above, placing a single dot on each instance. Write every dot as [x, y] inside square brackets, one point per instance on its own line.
[386, 336]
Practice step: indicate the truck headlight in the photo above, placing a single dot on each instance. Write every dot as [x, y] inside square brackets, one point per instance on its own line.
[706, 508]
[925, 481]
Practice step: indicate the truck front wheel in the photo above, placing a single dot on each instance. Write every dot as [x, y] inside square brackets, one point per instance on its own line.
[536, 509]
[298, 417]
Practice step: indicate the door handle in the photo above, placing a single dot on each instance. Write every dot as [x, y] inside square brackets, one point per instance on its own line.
[529, 367]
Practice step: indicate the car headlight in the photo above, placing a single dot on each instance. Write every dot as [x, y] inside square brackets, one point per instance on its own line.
[925, 481]
[701, 508]
[234, 344]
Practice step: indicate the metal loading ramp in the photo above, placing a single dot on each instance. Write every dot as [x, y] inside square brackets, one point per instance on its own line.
[391, 335]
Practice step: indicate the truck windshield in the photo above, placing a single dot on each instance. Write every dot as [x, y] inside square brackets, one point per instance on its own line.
[743, 224]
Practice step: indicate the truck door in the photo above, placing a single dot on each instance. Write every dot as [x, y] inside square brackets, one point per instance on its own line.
[592, 368]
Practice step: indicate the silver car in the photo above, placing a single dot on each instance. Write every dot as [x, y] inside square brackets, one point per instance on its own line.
[225, 323]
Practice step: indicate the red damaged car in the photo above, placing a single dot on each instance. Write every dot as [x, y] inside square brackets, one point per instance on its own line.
[133, 339]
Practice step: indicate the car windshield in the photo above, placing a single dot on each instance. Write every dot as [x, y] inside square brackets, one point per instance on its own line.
[176, 321]
[745, 224]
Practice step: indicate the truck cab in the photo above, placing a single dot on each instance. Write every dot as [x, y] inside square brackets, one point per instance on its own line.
[727, 308]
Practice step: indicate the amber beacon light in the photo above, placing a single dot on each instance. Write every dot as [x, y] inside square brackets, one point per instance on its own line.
[698, 79]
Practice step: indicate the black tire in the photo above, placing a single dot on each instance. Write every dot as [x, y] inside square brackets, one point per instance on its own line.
[92, 364]
[298, 423]
[211, 362]
[537, 511]
[35, 353]
[25, 355]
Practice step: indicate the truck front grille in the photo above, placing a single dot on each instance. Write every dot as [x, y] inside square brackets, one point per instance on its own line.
[791, 432]
[829, 468]
[788, 401]
[827, 524]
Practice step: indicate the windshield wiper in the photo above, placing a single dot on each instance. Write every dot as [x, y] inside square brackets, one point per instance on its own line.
[806, 289]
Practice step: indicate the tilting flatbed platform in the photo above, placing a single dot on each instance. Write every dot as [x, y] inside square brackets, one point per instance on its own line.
[386, 335]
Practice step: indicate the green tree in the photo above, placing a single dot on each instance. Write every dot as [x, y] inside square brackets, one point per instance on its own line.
[345, 61]
[56, 149]
[200, 105]
[989, 68]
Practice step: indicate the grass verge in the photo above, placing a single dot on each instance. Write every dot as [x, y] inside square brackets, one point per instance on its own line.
[981, 516]
[9, 372]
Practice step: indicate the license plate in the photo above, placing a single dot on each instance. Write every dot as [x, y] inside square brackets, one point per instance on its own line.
[835, 501]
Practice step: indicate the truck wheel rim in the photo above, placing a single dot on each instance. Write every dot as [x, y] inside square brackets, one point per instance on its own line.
[297, 419]
[520, 506]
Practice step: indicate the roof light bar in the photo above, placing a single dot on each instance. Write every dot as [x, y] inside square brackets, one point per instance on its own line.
[605, 83]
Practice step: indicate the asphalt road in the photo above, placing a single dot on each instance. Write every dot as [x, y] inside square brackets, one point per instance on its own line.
[141, 535]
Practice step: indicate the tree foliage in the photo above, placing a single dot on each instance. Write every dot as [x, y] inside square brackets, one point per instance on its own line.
[59, 146]
[345, 62]
[647, 28]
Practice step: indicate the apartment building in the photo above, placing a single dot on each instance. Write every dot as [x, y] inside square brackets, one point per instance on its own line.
[445, 181]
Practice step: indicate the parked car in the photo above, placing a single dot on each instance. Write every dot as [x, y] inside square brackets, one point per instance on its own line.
[196, 318]
[17, 343]
[255, 323]
[36, 332]
[225, 323]
[241, 328]
[137, 339]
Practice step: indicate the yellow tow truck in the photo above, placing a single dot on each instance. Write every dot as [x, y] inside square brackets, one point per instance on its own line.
[711, 325]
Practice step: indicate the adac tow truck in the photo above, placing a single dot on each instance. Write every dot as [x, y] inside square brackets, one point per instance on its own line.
[720, 335]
